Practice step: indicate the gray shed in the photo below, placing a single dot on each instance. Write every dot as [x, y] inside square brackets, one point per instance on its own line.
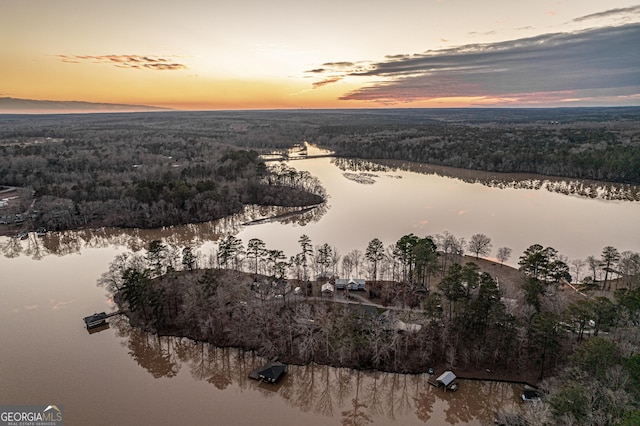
[446, 379]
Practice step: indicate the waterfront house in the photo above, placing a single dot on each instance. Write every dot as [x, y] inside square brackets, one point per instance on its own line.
[350, 284]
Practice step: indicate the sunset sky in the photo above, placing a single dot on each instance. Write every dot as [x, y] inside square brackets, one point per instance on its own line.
[246, 54]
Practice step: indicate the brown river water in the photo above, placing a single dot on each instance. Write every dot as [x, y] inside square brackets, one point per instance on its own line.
[122, 376]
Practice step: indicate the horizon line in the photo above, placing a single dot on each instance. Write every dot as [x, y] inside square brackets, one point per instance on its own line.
[161, 110]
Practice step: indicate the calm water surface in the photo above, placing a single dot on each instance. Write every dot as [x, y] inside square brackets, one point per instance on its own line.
[126, 377]
[400, 202]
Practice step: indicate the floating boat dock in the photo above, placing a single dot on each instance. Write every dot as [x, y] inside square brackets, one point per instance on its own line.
[98, 319]
[270, 373]
[446, 380]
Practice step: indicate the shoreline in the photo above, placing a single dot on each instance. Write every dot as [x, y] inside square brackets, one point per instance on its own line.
[12, 230]
[464, 374]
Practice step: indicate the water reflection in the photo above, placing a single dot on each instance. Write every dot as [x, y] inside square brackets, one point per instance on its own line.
[354, 397]
[195, 235]
[566, 186]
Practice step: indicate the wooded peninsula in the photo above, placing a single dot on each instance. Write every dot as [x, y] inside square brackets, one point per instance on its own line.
[441, 310]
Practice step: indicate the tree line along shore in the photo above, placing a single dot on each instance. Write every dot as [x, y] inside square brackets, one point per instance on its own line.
[151, 170]
[444, 310]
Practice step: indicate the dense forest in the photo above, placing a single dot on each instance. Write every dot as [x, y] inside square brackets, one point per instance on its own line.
[568, 186]
[158, 169]
[441, 310]
[128, 177]
[606, 151]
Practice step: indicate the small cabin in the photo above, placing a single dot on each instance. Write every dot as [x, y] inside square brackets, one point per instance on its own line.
[95, 320]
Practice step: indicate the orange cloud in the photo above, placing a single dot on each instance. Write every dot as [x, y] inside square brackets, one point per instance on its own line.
[337, 71]
[126, 61]
[326, 81]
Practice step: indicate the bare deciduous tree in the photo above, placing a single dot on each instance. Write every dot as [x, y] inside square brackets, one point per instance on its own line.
[577, 264]
[480, 245]
[504, 253]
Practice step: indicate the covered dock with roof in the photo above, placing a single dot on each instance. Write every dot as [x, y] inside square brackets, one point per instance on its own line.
[446, 380]
[270, 373]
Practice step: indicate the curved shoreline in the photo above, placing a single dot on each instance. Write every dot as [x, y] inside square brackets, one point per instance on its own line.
[464, 374]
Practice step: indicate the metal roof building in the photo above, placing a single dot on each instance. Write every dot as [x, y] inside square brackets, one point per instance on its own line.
[446, 379]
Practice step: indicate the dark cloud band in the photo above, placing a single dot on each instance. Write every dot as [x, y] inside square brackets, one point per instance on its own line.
[562, 63]
[617, 13]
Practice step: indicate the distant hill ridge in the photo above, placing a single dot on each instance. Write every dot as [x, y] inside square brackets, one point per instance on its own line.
[16, 105]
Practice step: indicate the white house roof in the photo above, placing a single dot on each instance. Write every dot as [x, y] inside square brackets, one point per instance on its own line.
[403, 326]
[327, 287]
[446, 378]
[351, 280]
